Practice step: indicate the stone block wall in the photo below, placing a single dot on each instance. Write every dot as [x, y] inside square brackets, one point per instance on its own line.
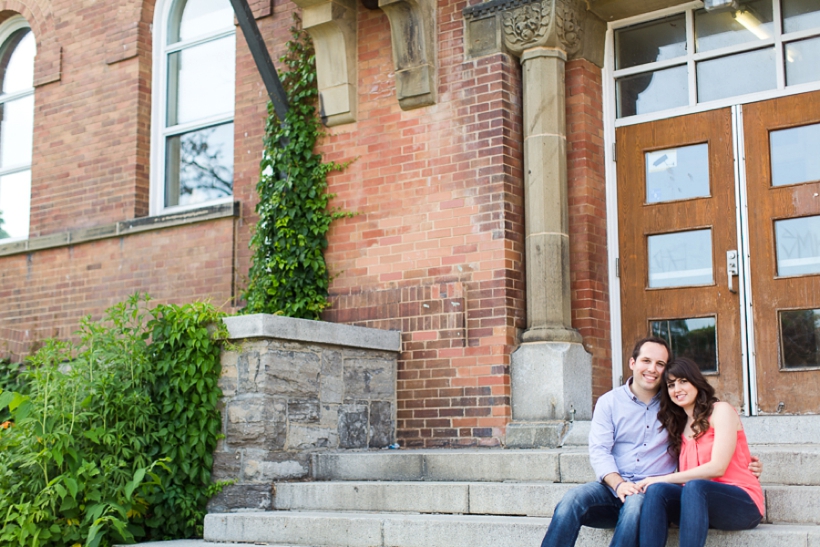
[292, 387]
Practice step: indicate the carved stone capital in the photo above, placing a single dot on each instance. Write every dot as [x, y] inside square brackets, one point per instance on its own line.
[544, 23]
[413, 35]
[332, 25]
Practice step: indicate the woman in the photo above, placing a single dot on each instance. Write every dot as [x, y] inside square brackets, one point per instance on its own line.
[713, 461]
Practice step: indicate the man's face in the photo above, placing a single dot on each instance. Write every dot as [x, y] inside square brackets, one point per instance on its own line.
[648, 367]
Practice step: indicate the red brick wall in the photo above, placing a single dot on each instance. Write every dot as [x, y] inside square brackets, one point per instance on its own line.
[587, 217]
[436, 246]
[45, 293]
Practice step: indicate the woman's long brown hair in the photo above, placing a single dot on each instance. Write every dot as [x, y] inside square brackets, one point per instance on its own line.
[672, 417]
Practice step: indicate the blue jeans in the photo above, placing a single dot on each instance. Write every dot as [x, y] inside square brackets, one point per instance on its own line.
[593, 505]
[699, 505]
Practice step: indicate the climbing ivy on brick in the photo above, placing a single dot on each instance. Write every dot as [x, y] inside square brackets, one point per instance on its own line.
[289, 275]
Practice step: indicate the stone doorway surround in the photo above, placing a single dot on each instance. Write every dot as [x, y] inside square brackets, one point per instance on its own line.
[551, 372]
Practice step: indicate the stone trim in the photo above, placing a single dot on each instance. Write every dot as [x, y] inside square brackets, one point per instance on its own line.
[263, 325]
[122, 228]
[413, 32]
[332, 25]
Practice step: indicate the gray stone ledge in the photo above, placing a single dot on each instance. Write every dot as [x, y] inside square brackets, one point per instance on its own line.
[263, 325]
[122, 228]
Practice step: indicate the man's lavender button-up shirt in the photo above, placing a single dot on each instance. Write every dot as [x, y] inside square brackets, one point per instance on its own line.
[625, 437]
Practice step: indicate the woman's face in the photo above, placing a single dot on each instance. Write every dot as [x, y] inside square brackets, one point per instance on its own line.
[681, 392]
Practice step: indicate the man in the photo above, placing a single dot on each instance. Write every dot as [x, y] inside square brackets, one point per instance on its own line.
[626, 444]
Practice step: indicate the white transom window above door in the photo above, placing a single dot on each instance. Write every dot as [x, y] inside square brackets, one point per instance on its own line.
[192, 152]
[687, 60]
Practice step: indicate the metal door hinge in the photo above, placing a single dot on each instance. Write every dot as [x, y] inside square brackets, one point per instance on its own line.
[614, 152]
[617, 267]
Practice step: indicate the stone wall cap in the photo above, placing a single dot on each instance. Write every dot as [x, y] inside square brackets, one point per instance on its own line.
[263, 325]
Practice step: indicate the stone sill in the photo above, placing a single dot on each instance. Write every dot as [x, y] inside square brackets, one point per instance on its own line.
[120, 229]
[263, 325]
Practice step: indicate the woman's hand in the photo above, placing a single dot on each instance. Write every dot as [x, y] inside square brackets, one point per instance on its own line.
[650, 480]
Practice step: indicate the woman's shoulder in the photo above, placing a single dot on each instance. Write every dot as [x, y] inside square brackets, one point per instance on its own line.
[725, 414]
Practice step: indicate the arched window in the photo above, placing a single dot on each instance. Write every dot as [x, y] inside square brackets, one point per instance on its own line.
[193, 104]
[17, 50]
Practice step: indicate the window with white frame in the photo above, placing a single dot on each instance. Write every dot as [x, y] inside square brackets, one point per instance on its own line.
[695, 56]
[193, 104]
[17, 50]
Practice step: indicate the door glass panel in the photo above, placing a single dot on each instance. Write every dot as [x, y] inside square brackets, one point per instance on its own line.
[794, 154]
[652, 91]
[798, 246]
[800, 338]
[677, 173]
[736, 75]
[680, 259]
[800, 14]
[693, 338]
[650, 42]
[802, 61]
[715, 30]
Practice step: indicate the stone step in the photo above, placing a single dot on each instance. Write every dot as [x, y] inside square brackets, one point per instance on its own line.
[791, 464]
[784, 504]
[333, 529]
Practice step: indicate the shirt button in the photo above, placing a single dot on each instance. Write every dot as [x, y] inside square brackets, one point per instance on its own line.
[647, 427]
[639, 459]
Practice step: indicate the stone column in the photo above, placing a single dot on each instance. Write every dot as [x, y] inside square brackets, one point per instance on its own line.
[551, 372]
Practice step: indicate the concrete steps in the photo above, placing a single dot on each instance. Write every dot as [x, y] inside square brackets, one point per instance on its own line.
[784, 504]
[499, 497]
[793, 464]
[335, 529]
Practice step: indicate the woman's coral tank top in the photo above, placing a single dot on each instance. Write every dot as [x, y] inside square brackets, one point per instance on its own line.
[697, 452]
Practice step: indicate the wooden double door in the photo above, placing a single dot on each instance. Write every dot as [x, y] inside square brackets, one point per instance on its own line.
[719, 247]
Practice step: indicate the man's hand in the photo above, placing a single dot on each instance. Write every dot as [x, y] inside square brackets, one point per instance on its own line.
[756, 467]
[625, 489]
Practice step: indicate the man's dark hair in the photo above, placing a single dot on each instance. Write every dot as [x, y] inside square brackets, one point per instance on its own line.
[655, 340]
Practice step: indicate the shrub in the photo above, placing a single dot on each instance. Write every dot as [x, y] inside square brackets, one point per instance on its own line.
[102, 448]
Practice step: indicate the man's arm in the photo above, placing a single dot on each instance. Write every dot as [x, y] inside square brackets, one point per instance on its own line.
[601, 441]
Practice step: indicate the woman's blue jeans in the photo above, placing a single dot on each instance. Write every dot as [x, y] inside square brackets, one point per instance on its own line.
[593, 505]
[699, 505]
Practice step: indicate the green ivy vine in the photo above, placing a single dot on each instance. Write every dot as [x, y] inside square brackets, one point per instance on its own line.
[289, 275]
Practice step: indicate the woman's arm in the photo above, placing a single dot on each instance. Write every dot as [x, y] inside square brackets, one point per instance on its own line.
[724, 420]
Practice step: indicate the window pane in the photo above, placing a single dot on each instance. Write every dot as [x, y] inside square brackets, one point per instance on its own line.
[794, 154]
[199, 166]
[652, 91]
[17, 62]
[802, 61]
[736, 75]
[677, 173]
[201, 81]
[798, 246]
[655, 41]
[692, 338]
[800, 14]
[715, 30]
[15, 197]
[200, 18]
[800, 338]
[16, 130]
[680, 259]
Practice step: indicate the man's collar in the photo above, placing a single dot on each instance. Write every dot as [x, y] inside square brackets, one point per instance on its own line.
[631, 394]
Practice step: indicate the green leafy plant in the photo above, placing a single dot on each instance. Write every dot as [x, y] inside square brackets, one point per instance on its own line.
[102, 448]
[11, 379]
[289, 275]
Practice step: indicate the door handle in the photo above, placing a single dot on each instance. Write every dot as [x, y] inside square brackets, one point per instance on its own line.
[731, 268]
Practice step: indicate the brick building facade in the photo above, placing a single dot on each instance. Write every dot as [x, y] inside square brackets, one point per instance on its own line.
[434, 250]
[437, 246]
